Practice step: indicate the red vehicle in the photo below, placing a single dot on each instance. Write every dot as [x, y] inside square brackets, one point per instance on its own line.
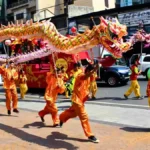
[36, 70]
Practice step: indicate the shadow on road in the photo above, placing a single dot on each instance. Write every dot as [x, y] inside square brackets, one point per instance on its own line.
[53, 141]
[2, 115]
[134, 129]
[108, 98]
[36, 124]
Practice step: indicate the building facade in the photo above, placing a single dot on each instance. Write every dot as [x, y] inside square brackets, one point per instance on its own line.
[134, 17]
[26, 9]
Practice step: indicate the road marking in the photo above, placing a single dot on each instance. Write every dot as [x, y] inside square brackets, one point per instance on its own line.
[119, 104]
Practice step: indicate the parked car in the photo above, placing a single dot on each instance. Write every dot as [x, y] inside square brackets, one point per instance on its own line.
[144, 62]
[116, 74]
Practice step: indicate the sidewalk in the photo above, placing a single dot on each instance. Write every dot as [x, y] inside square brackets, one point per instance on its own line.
[24, 131]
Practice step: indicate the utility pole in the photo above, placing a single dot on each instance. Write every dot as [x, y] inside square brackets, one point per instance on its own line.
[4, 9]
[67, 15]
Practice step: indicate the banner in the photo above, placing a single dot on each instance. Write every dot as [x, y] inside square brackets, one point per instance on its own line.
[134, 18]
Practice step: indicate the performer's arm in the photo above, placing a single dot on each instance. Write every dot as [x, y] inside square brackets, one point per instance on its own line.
[15, 76]
[61, 87]
[3, 69]
[136, 71]
[87, 75]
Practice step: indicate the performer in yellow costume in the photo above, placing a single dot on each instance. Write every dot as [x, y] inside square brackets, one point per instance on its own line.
[10, 75]
[65, 79]
[134, 87]
[23, 84]
[54, 86]
[72, 77]
[79, 96]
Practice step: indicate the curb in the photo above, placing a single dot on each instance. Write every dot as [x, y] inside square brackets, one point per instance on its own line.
[89, 102]
[120, 105]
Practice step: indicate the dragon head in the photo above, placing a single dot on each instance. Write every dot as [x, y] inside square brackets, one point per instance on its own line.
[111, 36]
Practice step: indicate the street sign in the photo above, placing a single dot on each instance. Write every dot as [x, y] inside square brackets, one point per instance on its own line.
[134, 18]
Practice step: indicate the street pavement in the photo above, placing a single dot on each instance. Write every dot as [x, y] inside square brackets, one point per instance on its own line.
[124, 124]
[25, 131]
[110, 107]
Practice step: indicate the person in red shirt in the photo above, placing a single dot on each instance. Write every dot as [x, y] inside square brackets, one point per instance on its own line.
[134, 87]
[148, 87]
[79, 96]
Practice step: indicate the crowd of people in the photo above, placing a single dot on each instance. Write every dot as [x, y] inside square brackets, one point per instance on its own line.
[76, 84]
[79, 83]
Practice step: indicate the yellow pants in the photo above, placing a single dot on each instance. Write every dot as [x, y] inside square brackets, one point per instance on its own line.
[93, 88]
[23, 90]
[11, 95]
[134, 87]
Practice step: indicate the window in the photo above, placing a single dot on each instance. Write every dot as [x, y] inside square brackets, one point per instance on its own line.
[147, 59]
[19, 16]
[106, 3]
[69, 2]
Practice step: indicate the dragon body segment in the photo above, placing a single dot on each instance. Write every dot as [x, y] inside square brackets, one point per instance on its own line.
[109, 34]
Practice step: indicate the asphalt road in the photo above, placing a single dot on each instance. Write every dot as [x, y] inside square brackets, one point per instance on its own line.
[106, 94]
[115, 94]
[109, 108]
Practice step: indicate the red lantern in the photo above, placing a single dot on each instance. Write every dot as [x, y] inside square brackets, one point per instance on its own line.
[35, 42]
[8, 42]
[73, 29]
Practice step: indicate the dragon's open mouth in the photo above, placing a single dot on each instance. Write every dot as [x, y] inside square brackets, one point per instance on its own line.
[113, 48]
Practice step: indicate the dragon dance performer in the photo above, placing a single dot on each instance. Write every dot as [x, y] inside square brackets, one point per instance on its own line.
[10, 75]
[23, 83]
[55, 86]
[93, 85]
[73, 75]
[134, 83]
[79, 96]
[148, 86]
[65, 79]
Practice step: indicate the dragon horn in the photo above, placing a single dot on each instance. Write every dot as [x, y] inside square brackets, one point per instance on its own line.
[103, 20]
[117, 20]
